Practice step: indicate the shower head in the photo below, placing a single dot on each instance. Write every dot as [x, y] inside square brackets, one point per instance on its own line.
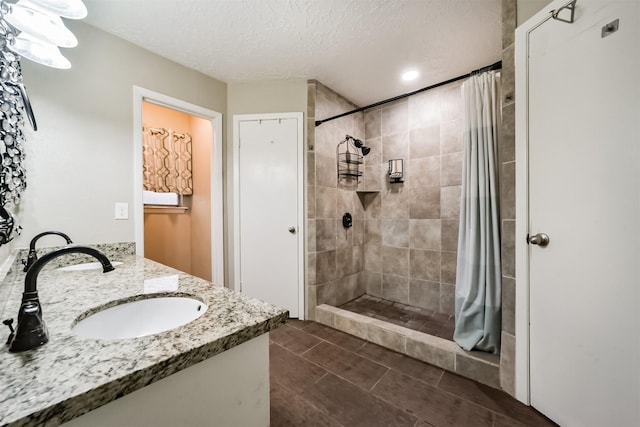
[361, 146]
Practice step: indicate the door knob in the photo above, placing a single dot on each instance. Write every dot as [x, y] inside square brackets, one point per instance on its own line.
[292, 230]
[539, 239]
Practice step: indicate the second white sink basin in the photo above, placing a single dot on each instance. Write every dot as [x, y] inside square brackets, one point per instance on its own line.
[140, 318]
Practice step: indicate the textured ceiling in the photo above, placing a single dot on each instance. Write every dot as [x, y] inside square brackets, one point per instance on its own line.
[356, 47]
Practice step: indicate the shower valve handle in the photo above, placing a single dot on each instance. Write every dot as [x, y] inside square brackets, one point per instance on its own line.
[539, 239]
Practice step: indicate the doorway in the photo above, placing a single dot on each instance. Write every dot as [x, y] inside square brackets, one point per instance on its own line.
[578, 144]
[177, 193]
[183, 142]
[268, 184]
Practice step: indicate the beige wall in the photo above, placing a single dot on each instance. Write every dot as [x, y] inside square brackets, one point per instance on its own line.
[167, 239]
[80, 161]
[271, 96]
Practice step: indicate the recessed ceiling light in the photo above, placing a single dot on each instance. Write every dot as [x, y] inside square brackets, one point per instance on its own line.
[410, 75]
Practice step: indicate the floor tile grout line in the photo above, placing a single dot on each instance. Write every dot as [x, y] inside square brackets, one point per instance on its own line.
[439, 379]
[309, 349]
[309, 402]
[377, 396]
[474, 403]
[386, 365]
[338, 345]
[379, 379]
[319, 379]
[320, 339]
[361, 346]
[329, 371]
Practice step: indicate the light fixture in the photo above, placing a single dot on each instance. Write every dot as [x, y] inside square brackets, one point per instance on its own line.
[410, 75]
[39, 31]
[395, 171]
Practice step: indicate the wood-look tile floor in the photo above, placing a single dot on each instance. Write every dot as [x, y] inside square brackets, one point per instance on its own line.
[416, 318]
[324, 377]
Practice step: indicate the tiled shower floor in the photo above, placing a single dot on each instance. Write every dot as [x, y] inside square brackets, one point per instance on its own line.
[419, 319]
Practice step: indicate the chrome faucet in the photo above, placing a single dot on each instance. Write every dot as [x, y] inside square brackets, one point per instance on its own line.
[33, 256]
[31, 331]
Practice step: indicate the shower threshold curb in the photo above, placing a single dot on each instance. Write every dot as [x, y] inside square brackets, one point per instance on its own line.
[478, 366]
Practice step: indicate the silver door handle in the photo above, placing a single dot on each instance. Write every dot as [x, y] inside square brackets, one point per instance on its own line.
[539, 239]
[292, 230]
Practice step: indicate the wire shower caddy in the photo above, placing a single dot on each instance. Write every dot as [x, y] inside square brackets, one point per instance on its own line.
[349, 160]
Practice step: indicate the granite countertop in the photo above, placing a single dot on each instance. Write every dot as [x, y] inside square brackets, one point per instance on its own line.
[70, 376]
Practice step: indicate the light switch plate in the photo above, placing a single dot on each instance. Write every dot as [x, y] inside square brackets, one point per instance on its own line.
[122, 211]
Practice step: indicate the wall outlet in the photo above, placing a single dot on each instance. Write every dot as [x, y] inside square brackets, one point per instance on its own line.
[122, 211]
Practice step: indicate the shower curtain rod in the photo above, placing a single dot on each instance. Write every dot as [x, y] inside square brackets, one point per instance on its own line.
[492, 67]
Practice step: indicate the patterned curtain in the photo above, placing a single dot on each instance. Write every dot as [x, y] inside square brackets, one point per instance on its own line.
[167, 161]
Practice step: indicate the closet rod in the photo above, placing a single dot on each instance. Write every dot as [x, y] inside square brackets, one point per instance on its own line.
[492, 67]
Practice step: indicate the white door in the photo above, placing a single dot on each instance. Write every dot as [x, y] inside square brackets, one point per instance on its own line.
[584, 193]
[270, 210]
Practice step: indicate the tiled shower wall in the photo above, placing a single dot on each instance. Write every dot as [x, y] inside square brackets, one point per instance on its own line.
[411, 231]
[507, 199]
[335, 255]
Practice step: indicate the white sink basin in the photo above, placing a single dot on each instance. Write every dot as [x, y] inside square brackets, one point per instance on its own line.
[140, 318]
[85, 266]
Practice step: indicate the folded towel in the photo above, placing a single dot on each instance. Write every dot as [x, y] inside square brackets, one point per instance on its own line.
[153, 198]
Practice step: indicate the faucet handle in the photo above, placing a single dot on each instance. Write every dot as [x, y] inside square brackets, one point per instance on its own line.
[9, 323]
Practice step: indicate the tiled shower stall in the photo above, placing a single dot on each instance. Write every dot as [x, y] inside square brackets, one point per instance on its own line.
[402, 246]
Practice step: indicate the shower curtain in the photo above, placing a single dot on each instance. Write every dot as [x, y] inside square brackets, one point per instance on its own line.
[478, 288]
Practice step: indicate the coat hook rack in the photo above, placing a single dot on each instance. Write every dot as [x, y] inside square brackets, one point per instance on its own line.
[571, 6]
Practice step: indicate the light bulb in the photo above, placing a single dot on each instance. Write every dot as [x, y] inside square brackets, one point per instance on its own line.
[40, 24]
[72, 9]
[40, 52]
[410, 75]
